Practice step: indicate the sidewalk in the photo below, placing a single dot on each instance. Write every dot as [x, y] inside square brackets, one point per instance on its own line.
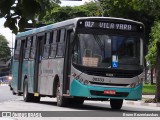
[148, 96]
[142, 103]
[3, 84]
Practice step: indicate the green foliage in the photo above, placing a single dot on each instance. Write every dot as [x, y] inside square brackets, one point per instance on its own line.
[149, 89]
[139, 10]
[120, 8]
[18, 12]
[4, 49]
[58, 13]
[152, 49]
[92, 9]
[145, 11]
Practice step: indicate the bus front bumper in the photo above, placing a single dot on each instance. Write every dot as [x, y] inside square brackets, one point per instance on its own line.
[88, 91]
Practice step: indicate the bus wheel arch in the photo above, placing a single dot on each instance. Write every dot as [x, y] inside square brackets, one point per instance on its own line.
[55, 83]
[25, 79]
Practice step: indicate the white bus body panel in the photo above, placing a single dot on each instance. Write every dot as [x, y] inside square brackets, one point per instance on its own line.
[47, 71]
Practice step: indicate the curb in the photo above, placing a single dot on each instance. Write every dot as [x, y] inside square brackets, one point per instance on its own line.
[141, 103]
[3, 84]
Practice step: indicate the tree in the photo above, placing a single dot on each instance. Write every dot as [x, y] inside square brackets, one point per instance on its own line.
[157, 96]
[5, 52]
[18, 12]
[63, 13]
[59, 13]
[93, 9]
[145, 11]
[153, 55]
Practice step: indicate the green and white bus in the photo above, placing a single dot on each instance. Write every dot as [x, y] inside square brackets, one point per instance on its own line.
[87, 58]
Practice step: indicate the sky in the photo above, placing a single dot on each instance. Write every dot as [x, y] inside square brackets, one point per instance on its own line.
[6, 32]
[11, 37]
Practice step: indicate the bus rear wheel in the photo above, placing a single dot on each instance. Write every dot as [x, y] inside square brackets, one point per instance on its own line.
[13, 92]
[36, 99]
[29, 97]
[61, 101]
[116, 104]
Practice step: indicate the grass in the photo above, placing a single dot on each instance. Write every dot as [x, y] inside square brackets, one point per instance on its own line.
[149, 89]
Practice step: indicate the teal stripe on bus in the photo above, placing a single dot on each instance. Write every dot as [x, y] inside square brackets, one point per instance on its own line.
[36, 30]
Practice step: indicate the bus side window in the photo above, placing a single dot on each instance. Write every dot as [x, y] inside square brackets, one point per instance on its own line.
[60, 49]
[46, 45]
[33, 47]
[53, 44]
[17, 49]
[27, 47]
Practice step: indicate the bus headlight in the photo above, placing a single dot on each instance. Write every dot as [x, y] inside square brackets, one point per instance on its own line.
[83, 81]
[80, 79]
[86, 82]
[135, 84]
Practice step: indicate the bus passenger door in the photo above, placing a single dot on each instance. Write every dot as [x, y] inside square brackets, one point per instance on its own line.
[20, 66]
[38, 58]
[67, 61]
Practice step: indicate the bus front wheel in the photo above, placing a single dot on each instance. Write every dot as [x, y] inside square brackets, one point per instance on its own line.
[61, 101]
[116, 104]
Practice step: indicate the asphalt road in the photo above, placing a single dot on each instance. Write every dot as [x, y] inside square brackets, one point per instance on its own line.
[6, 94]
[9, 102]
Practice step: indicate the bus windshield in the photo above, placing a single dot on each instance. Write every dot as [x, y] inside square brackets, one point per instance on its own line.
[102, 50]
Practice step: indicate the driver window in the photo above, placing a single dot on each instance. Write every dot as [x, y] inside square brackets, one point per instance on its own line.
[75, 52]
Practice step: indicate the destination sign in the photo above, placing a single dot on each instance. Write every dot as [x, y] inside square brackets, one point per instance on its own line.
[110, 26]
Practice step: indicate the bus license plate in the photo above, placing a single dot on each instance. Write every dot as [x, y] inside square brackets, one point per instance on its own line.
[110, 92]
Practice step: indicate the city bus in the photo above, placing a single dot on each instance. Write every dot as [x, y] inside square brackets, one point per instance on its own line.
[86, 58]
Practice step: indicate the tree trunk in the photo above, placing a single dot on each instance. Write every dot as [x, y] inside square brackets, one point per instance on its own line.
[152, 75]
[157, 96]
[146, 71]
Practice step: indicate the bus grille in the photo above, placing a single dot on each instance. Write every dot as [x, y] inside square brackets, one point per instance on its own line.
[119, 73]
[101, 93]
[115, 74]
[109, 84]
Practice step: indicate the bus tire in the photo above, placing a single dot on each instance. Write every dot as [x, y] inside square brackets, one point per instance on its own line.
[116, 104]
[61, 101]
[11, 88]
[36, 99]
[13, 92]
[26, 96]
[76, 101]
[19, 94]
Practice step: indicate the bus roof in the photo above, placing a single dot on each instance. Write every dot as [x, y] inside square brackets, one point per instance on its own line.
[68, 22]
